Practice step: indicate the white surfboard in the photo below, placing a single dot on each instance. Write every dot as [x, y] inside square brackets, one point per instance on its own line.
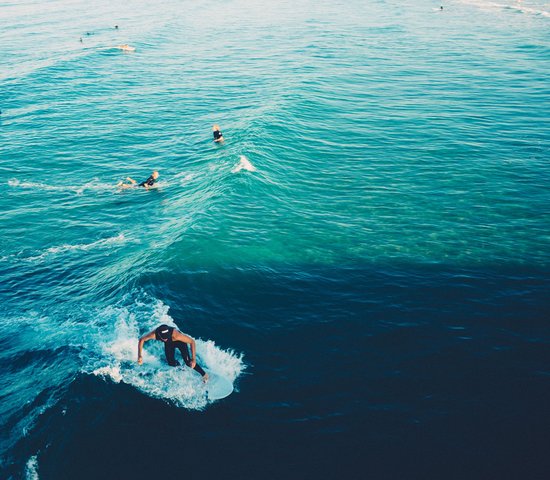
[218, 387]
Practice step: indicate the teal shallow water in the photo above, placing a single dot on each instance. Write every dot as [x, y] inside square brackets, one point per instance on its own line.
[383, 135]
[412, 143]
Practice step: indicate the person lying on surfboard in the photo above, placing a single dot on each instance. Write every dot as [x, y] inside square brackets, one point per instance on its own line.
[173, 339]
[150, 182]
[126, 48]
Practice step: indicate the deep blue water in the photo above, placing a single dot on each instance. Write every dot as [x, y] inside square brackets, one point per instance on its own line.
[366, 256]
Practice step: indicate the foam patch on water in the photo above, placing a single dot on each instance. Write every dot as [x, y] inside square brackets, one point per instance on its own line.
[181, 386]
[244, 164]
[185, 178]
[60, 249]
[31, 469]
[93, 185]
[518, 6]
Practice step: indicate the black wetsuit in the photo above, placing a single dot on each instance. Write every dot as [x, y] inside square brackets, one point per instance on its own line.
[170, 352]
[217, 135]
[149, 182]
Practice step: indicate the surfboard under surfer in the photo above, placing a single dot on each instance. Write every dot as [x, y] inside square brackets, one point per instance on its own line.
[173, 339]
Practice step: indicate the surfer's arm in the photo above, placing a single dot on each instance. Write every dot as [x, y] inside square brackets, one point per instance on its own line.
[187, 339]
[142, 340]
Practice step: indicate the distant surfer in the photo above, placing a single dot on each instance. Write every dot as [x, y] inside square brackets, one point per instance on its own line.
[218, 136]
[126, 48]
[147, 184]
[173, 339]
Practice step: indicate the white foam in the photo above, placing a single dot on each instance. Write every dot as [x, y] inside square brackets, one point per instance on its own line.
[94, 185]
[102, 243]
[185, 178]
[516, 6]
[225, 363]
[244, 164]
[111, 372]
[31, 469]
[34, 185]
[532, 11]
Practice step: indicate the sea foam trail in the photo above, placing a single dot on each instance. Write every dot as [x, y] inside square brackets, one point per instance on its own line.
[517, 6]
[94, 185]
[244, 164]
[31, 469]
[61, 249]
[181, 386]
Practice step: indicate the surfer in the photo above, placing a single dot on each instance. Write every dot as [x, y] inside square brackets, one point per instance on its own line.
[218, 136]
[126, 48]
[173, 339]
[147, 184]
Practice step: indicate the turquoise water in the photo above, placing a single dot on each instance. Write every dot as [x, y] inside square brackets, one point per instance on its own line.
[391, 146]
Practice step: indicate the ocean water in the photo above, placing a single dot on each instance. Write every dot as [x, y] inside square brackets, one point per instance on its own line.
[366, 257]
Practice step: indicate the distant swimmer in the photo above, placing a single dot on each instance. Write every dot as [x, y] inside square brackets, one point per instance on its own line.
[147, 184]
[218, 136]
[116, 27]
[80, 39]
[173, 339]
[126, 48]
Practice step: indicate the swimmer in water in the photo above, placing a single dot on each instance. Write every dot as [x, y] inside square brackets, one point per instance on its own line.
[147, 184]
[173, 339]
[126, 48]
[218, 136]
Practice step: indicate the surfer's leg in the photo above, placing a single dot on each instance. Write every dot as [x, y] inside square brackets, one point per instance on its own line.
[199, 369]
[187, 359]
[170, 351]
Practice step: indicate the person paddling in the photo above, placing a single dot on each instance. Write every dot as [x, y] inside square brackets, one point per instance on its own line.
[173, 339]
[147, 184]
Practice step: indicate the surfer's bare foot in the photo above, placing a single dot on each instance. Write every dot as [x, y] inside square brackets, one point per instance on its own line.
[205, 378]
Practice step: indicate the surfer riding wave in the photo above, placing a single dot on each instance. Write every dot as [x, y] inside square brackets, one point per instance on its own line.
[173, 339]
